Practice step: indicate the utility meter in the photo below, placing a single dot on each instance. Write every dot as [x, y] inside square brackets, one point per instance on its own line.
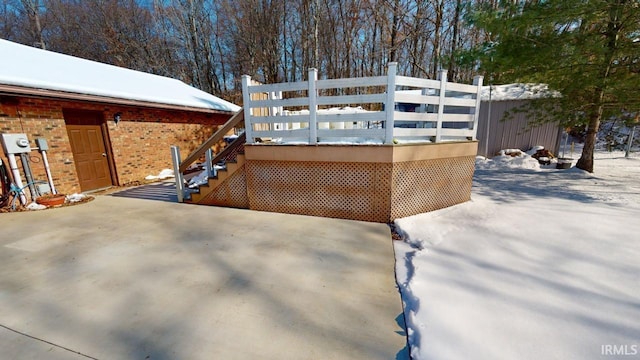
[15, 143]
[42, 144]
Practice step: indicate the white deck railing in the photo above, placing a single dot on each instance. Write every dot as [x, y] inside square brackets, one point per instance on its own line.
[414, 110]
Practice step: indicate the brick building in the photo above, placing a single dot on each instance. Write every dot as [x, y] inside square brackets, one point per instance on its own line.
[105, 125]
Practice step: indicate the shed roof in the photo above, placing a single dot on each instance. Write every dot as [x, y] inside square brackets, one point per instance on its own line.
[41, 72]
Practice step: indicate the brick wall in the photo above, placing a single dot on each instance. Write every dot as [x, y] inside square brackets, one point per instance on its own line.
[140, 142]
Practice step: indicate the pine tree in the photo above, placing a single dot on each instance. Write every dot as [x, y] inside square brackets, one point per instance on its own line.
[586, 50]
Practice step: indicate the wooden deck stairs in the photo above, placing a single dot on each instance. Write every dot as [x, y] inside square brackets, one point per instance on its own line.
[226, 185]
[225, 179]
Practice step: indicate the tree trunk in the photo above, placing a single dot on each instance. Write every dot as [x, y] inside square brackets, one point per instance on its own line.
[437, 28]
[316, 19]
[453, 73]
[613, 29]
[394, 30]
[586, 159]
[33, 9]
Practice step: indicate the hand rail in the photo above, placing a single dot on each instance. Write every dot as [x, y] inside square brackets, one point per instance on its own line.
[216, 137]
[229, 148]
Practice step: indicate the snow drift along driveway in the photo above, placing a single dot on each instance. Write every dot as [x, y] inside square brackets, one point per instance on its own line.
[541, 264]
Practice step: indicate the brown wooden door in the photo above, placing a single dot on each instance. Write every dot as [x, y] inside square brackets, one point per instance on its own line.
[89, 153]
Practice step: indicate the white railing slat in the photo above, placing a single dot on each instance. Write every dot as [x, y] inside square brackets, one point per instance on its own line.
[459, 102]
[457, 132]
[267, 88]
[280, 119]
[352, 99]
[367, 116]
[457, 118]
[269, 103]
[351, 82]
[411, 116]
[416, 82]
[299, 118]
[402, 132]
[373, 133]
[297, 133]
[403, 97]
[465, 88]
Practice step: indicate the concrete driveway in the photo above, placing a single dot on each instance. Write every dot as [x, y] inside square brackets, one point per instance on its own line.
[122, 278]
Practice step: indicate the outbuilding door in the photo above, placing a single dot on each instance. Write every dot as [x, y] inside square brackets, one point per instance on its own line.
[91, 157]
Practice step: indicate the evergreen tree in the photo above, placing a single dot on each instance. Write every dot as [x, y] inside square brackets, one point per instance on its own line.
[586, 50]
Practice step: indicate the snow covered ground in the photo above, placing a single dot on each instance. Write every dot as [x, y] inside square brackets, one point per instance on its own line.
[541, 264]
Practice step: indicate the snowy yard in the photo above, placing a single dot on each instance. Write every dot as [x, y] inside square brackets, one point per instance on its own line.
[541, 264]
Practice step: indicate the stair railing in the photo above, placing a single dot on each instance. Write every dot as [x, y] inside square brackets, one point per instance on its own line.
[229, 149]
[179, 167]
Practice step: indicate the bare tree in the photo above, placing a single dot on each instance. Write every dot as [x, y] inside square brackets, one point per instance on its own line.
[211, 43]
[455, 25]
[32, 8]
[9, 19]
[191, 25]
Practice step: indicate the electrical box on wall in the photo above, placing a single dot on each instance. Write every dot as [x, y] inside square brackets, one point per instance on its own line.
[15, 143]
[42, 145]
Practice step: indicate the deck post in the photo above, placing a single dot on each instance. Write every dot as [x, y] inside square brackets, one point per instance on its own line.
[208, 165]
[442, 76]
[175, 158]
[477, 80]
[423, 106]
[273, 111]
[279, 109]
[246, 101]
[313, 106]
[390, 105]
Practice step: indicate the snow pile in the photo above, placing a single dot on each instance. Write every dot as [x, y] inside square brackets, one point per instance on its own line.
[75, 197]
[202, 177]
[35, 206]
[538, 265]
[164, 174]
[534, 150]
[509, 158]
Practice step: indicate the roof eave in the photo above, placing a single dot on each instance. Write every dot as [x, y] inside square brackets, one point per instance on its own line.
[63, 95]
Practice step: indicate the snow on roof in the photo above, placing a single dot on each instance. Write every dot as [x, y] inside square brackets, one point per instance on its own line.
[30, 67]
[517, 91]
